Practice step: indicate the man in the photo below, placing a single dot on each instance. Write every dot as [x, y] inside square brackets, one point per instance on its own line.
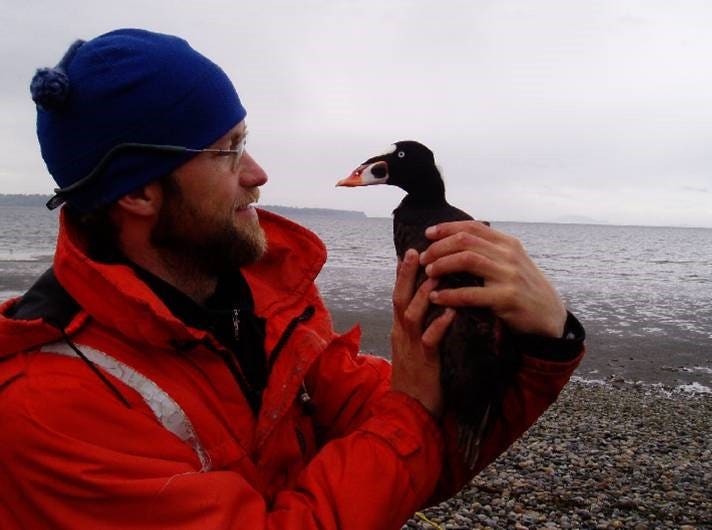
[176, 368]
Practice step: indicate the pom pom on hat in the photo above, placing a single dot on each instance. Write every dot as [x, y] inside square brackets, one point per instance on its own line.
[50, 86]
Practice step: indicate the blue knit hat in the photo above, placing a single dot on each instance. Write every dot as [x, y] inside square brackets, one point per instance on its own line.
[128, 86]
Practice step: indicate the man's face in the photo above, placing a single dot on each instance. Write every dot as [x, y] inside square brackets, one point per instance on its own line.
[207, 220]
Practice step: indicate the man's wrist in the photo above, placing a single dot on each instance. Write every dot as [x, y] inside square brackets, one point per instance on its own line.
[563, 348]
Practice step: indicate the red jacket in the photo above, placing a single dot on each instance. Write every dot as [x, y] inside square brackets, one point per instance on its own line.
[179, 447]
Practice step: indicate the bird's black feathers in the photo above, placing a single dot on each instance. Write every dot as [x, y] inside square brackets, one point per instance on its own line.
[477, 362]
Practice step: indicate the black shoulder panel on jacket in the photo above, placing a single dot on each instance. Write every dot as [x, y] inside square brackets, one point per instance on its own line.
[47, 300]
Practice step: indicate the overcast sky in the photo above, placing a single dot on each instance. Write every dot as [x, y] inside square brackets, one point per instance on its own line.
[536, 110]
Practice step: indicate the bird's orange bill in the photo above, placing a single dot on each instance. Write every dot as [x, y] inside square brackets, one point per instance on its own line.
[354, 179]
[373, 171]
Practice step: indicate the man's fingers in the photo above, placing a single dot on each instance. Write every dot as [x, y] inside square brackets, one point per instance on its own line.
[457, 243]
[436, 330]
[470, 296]
[415, 312]
[466, 261]
[477, 228]
[405, 281]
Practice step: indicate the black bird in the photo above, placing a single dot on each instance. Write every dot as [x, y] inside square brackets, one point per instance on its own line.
[476, 360]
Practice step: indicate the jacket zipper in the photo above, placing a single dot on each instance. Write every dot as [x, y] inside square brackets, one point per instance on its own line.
[304, 397]
[236, 324]
[306, 315]
[301, 440]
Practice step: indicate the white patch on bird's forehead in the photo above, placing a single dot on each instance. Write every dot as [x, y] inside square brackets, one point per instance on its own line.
[388, 150]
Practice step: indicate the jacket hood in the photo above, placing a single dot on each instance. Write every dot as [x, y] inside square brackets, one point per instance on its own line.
[78, 288]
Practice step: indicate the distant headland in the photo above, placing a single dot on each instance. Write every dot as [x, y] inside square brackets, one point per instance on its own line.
[288, 211]
[23, 200]
[40, 200]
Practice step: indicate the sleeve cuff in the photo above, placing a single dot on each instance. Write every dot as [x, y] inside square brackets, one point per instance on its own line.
[563, 349]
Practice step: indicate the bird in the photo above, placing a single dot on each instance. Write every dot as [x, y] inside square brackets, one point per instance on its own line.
[476, 358]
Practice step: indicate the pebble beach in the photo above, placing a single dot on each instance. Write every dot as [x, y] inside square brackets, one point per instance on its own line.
[602, 457]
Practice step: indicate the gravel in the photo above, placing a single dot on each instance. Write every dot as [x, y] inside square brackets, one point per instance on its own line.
[602, 457]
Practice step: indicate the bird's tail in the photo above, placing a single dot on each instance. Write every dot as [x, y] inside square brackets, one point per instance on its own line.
[469, 438]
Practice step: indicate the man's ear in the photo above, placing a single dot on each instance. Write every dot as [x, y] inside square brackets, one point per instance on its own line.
[144, 201]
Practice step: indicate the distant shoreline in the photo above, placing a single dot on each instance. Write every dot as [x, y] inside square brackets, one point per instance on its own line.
[39, 200]
[13, 199]
[292, 210]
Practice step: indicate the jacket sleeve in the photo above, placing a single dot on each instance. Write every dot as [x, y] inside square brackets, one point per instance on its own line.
[350, 386]
[76, 457]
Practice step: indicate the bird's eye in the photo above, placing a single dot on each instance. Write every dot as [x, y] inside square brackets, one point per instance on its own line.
[401, 154]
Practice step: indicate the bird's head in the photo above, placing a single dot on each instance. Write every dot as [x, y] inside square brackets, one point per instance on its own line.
[407, 164]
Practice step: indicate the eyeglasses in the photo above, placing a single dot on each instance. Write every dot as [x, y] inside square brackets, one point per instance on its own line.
[60, 194]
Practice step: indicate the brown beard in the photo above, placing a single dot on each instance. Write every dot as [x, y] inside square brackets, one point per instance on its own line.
[209, 245]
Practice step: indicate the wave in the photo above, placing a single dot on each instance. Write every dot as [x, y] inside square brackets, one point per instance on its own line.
[19, 256]
[698, 369]
[685, 390]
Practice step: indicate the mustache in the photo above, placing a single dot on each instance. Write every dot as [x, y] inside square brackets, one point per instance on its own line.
[252, 195]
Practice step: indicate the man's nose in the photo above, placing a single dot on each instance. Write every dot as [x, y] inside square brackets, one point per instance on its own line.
[251, 173]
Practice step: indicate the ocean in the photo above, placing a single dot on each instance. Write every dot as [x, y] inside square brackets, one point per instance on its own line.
[644, 294]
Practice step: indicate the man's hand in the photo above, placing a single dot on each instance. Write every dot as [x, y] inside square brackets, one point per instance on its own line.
[416, 363]
[515, 289]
